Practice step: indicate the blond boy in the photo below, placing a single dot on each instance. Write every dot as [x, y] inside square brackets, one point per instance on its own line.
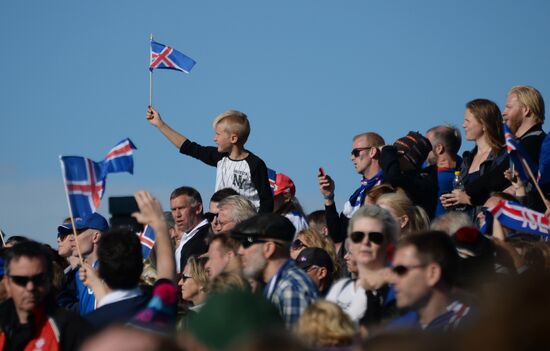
[237, 167]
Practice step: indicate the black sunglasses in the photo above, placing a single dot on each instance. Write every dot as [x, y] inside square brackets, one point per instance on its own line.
[355, 152]
[401, 270]
[297, 244]
[248, 241]
[374, 237]
[23, 280]
[210, 216]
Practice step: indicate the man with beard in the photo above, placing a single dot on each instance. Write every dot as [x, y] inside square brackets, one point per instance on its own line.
[265, 251]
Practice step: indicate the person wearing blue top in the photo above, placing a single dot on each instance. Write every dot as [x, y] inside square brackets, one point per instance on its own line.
[89, 230]
[265, 251]
[423, 274]
[446, 141]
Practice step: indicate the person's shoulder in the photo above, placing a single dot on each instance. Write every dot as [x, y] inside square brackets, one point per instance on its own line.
[255, 159]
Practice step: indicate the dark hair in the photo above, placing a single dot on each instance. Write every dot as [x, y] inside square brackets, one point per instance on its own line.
[435, 247]
[317, 217]
[16, 239]
[449, 136]
[187, 191]
[222, 194]
[120, 258]
[504, 196]
[488, 115]
[30, 249]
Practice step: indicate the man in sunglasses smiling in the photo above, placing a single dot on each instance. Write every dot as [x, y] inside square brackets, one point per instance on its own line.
[424, 272]
[265, 252]
[30, 318]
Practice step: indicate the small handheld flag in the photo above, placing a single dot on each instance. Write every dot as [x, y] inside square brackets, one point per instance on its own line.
[165, 57]
[147, 239]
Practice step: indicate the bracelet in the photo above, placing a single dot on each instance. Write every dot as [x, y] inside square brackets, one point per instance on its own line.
[329, 197]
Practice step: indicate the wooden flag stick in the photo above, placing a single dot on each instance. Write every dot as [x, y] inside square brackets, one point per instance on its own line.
[70, 212]
[2, 236]
[532, 176]
[150, 79]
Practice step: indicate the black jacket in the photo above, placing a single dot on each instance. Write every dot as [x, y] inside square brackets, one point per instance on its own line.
[196, 246]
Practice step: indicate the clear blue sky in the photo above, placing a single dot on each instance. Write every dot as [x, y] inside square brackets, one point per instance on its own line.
[309, 73]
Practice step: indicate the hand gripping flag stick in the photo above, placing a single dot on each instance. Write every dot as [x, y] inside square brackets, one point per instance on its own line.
[70, 211]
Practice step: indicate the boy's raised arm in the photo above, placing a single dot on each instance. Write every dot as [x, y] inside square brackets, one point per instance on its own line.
[154, 118]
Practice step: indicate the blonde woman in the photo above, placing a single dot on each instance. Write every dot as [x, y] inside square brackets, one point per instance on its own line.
[323, 324]
[312, 238]
[411, 218]
[194, 282]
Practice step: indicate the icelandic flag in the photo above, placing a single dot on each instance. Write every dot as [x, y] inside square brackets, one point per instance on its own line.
[544, 161]
[120, 158]
[516, 152]
[272, 176]
[85, 179]
[147, 239]
[165, 57]
[85, 184]
[521, 219]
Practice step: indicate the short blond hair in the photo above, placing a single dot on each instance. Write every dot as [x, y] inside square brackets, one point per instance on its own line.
[530, 98]
[325, 324]
[235, 122]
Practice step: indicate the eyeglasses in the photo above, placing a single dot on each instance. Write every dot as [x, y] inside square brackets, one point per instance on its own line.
[374, 237]
[297, 245]
[23, 280]
[210, 217]
[402, 270]
[355, 152]
[184, 276]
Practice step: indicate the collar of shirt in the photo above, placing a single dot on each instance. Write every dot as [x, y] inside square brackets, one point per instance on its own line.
[270, 287]
[119, 295]
[185, 237]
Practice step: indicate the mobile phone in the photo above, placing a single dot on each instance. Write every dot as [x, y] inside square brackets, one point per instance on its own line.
[322, 171]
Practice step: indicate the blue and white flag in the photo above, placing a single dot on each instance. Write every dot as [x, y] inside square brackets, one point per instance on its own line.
[85, 179]
[147, 239]
[165, 57]
[517, 153]
[520, 218]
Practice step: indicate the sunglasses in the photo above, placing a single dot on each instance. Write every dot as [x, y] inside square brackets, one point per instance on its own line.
[248, 241]
[297, 245]
[374, 237]
[23, 280]
[184, 276]
[401, 270]
[210, 216]
[355, 152]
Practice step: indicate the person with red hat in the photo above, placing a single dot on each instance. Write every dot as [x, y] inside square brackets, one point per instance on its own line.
[286, 203]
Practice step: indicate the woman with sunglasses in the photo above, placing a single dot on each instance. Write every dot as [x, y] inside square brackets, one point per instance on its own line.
[193, 284]
[372, 233]
[482, 168]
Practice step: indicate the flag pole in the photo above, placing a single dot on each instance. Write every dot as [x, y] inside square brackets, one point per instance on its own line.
[150, 77]
[70, 211]
[2, 236]
[532, 176]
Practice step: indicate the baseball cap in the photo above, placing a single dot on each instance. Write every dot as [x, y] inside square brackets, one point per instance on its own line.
[93, 221]
[314, 256]
[283, 185]
[264, 226]
[469, 242]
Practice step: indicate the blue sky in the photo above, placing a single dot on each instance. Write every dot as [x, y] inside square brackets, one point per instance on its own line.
[310, 74]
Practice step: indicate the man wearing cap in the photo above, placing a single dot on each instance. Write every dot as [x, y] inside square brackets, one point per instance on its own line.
[424, 273]
[365, 158]
[286, 203]
[317, 263]
[191, 226]
[265, 251]
[89, 230]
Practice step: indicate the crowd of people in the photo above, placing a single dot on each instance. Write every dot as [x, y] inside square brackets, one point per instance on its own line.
[414, 259]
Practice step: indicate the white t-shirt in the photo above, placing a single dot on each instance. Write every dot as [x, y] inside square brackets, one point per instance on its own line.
[350, 297]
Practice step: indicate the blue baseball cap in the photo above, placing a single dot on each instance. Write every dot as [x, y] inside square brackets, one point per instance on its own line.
[93, 221]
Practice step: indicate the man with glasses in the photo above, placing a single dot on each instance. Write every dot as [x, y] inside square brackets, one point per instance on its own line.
[364, 155]
[424, 272]
[30, 319]
[89, 230]
[232, 210]
[265, 243]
